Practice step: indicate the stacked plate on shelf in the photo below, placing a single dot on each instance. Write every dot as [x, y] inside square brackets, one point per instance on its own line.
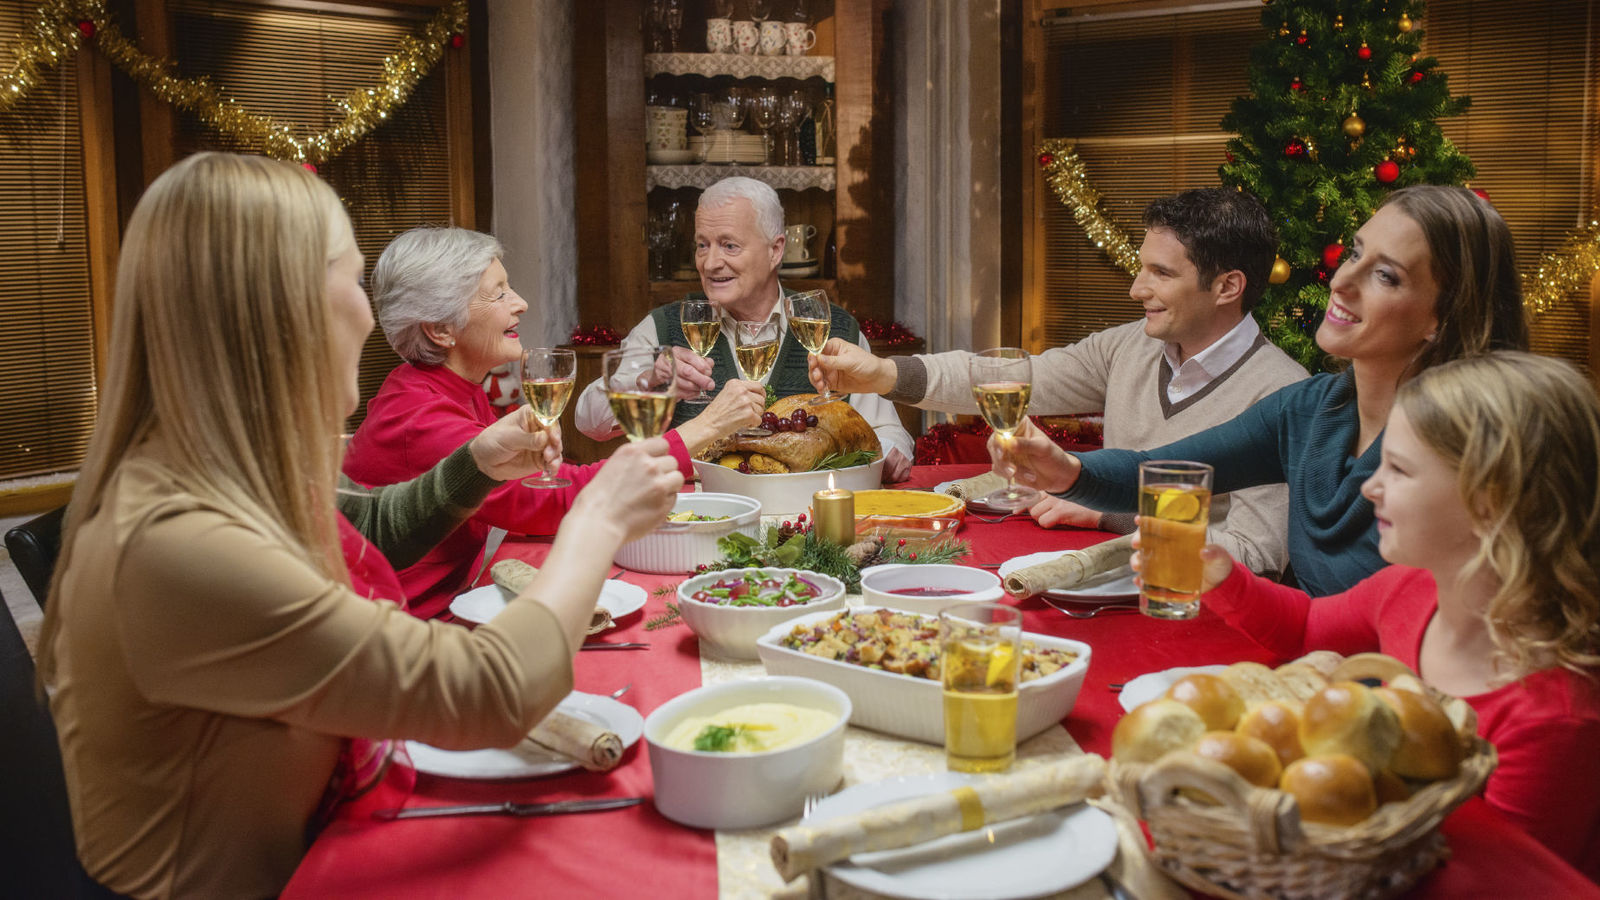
[805, 267]
[723, 147]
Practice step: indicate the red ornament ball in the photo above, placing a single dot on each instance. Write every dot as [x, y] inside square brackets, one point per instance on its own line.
[1303, 39]
[1331, 255]
[1297, 85]
[1295, 149]
[309, 167]
[1364, 54]
[1416, 77]
[1482, 194]
[457, 41]
[1045, 159]
[1386, 172]
[1227, 156]
[86, 28]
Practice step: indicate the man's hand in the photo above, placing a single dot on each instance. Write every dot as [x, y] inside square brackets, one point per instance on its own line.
[895, 466]
[848, 369]
[738, 405]
[1029, 457]
[516, 446]
[694, 373]
[1054, 511]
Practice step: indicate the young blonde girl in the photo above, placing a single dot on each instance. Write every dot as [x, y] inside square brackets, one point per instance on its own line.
[1487, 502]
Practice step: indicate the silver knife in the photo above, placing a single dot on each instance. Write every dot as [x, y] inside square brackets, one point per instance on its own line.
[614, 645]
[508, 808]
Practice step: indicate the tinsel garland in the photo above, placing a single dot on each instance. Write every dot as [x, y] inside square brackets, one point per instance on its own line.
[889, 334]
[598, 336]
[1564, 271]
[1067, 176]
[59, 27]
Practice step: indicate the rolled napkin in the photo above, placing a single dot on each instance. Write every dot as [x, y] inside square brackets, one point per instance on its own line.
[514, 575]
[1071, 568]
[591, 746]
[802, 848]
[976, 486]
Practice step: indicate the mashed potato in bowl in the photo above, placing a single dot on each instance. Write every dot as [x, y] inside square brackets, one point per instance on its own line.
[750, 728]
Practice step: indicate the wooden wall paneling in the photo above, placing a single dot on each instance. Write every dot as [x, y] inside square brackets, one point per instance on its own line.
[157, 123]
[1013, 175]
[613, 283]
[864, 199]
[97, 132]
[482, 132]
[459, 137]
[1033, 193]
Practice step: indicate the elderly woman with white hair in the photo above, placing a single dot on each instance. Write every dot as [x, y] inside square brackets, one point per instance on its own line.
[446, 305]
[739, 241]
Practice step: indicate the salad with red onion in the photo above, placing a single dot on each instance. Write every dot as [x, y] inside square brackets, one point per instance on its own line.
[759, 589]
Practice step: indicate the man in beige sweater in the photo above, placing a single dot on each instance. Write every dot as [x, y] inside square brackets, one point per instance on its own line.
[1195, 360]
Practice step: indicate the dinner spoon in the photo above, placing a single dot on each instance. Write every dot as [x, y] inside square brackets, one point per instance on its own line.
[621, 690]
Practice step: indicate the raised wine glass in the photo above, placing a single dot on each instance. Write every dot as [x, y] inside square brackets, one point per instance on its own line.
[810, 319]
[639, 385]
[755, 348]
[1002, 382]
[547, 376]
[702, 324]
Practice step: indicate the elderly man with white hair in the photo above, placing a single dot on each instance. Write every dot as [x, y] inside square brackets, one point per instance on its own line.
[739, 240]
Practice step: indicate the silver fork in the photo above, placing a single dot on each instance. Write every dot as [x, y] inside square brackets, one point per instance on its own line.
[815, 888]
[1089, 612]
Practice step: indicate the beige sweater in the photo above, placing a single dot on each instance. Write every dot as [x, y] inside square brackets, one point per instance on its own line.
[206, 675]
[1121, 372]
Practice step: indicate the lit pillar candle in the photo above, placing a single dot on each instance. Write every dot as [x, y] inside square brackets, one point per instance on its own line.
[834, 512]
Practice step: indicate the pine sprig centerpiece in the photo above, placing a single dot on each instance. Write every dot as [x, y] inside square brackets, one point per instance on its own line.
[791, 549]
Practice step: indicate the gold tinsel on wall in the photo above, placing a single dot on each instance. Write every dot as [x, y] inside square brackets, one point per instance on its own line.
[59, 27]
[1560, 273]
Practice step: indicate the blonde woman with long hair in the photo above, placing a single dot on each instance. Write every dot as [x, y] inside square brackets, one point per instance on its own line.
[1488, 506]
[205, 652]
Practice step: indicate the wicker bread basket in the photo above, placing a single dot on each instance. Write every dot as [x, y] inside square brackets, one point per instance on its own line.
[1253, 844]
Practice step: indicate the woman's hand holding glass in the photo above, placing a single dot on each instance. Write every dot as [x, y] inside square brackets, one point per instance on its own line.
[516, 446]
[1216, 564]
[1029, 456]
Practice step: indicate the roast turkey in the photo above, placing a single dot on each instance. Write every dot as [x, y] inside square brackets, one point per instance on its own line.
[839, 429]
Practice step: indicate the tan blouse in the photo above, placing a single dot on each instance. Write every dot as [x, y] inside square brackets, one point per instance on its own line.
[206, 674]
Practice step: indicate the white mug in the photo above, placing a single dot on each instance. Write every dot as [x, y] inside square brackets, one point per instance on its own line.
[719, 36]
[746, 37]
[794, 242]
[666, 128]
[797, 38]
[772, 38]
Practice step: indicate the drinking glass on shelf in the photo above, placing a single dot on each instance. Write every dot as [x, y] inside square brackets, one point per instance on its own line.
[1174, 509]
[547, 376]
[755, 349]
[793, 107]
[980, 654]
[700, 115]
[799, 13]
[1002, 383]
[720, 9]
[764, 115]
[702, 324]
[639, 386]
[672, 20]
[810, 319]
[661, 232]
[760, 10]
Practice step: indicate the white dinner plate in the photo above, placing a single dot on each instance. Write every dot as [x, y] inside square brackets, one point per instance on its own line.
[1116, 584]
[479, 605]
[1151, 685]
[1043, 854]
[527, 759]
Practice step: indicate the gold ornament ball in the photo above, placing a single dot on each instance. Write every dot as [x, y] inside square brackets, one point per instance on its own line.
[1405, 23]
[1354, 126]
[1280, 271]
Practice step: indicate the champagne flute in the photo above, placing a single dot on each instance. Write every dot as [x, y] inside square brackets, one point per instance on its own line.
[639, 384]
[810, 319]
[702, 324]
[755, 349]
[547, 376]
[1002, 382]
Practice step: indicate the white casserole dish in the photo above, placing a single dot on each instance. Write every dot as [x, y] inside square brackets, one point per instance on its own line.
[787, 495]
[914, 707]
[692, 544]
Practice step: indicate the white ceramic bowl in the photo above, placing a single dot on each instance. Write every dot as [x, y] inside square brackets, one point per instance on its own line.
[744, 790]
[731, 631]
[694, 543]
[967, 584]
[787, 495]
[914, 707]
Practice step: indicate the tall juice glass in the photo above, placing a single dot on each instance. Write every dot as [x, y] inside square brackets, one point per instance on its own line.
[980, 652]
[1174, 509]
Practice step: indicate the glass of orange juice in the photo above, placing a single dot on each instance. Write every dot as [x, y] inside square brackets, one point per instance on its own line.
[980, 653]
[1174, 509]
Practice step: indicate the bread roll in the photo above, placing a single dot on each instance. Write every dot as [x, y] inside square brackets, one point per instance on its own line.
[1253, 682]
[1390, 788]
[1334, 790]
[1216, 702]
[1276, 724]
[1324, 661]
[1251, 758]
[1428, 748]
[1300, 680]
[1153, 729]
[1348, 718]
[1369, 667]
[1407, 683]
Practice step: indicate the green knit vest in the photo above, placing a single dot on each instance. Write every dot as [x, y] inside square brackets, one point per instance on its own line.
[788, 373]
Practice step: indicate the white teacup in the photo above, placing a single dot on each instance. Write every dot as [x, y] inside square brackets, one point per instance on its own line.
[927, 587]
[797, 38]
[666, 128]
[719, 36]
[772, 38]
[795, 238]
[746, 37]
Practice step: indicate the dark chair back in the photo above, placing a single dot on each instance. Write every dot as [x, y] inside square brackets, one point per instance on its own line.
[34, 546]
[37, 855]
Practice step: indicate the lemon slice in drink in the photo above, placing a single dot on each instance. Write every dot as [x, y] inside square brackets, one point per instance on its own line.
[999, 666]
[1177, 505]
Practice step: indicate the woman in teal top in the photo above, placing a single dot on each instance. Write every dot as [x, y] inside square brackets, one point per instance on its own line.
[1429, 278]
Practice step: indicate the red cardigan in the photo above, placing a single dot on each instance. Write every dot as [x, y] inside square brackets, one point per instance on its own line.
[421, 415]
[1546, 727]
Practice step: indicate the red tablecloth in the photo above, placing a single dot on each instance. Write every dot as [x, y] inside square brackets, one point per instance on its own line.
[638, 851]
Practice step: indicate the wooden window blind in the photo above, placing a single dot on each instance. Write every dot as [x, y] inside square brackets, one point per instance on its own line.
[47, 377]
[1143, 97]
[287, 63]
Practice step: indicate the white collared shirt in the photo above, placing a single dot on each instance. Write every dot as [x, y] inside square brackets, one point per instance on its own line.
[1202, 368]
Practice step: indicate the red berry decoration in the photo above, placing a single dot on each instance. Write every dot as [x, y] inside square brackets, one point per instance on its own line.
[1331, 255]
[1365, 53]
[457, 41]
[1482, 194]
[1045, 159]
[1322, 275]
[1386, 172]
[1295, 149]
[1228, 157]
[1303, 39]
[1296, 85]
[309, 167]
[901, 543]
[1416, 77]
[912, 557]
[86, 28]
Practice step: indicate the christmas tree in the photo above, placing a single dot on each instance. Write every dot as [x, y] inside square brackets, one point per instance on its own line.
[1343, 110]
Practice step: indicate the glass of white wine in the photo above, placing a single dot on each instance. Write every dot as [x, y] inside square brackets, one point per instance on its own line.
[702, 324]
[810, 319]
[755, 347]
[1002, 383]
[547, 376]
[639, 385]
